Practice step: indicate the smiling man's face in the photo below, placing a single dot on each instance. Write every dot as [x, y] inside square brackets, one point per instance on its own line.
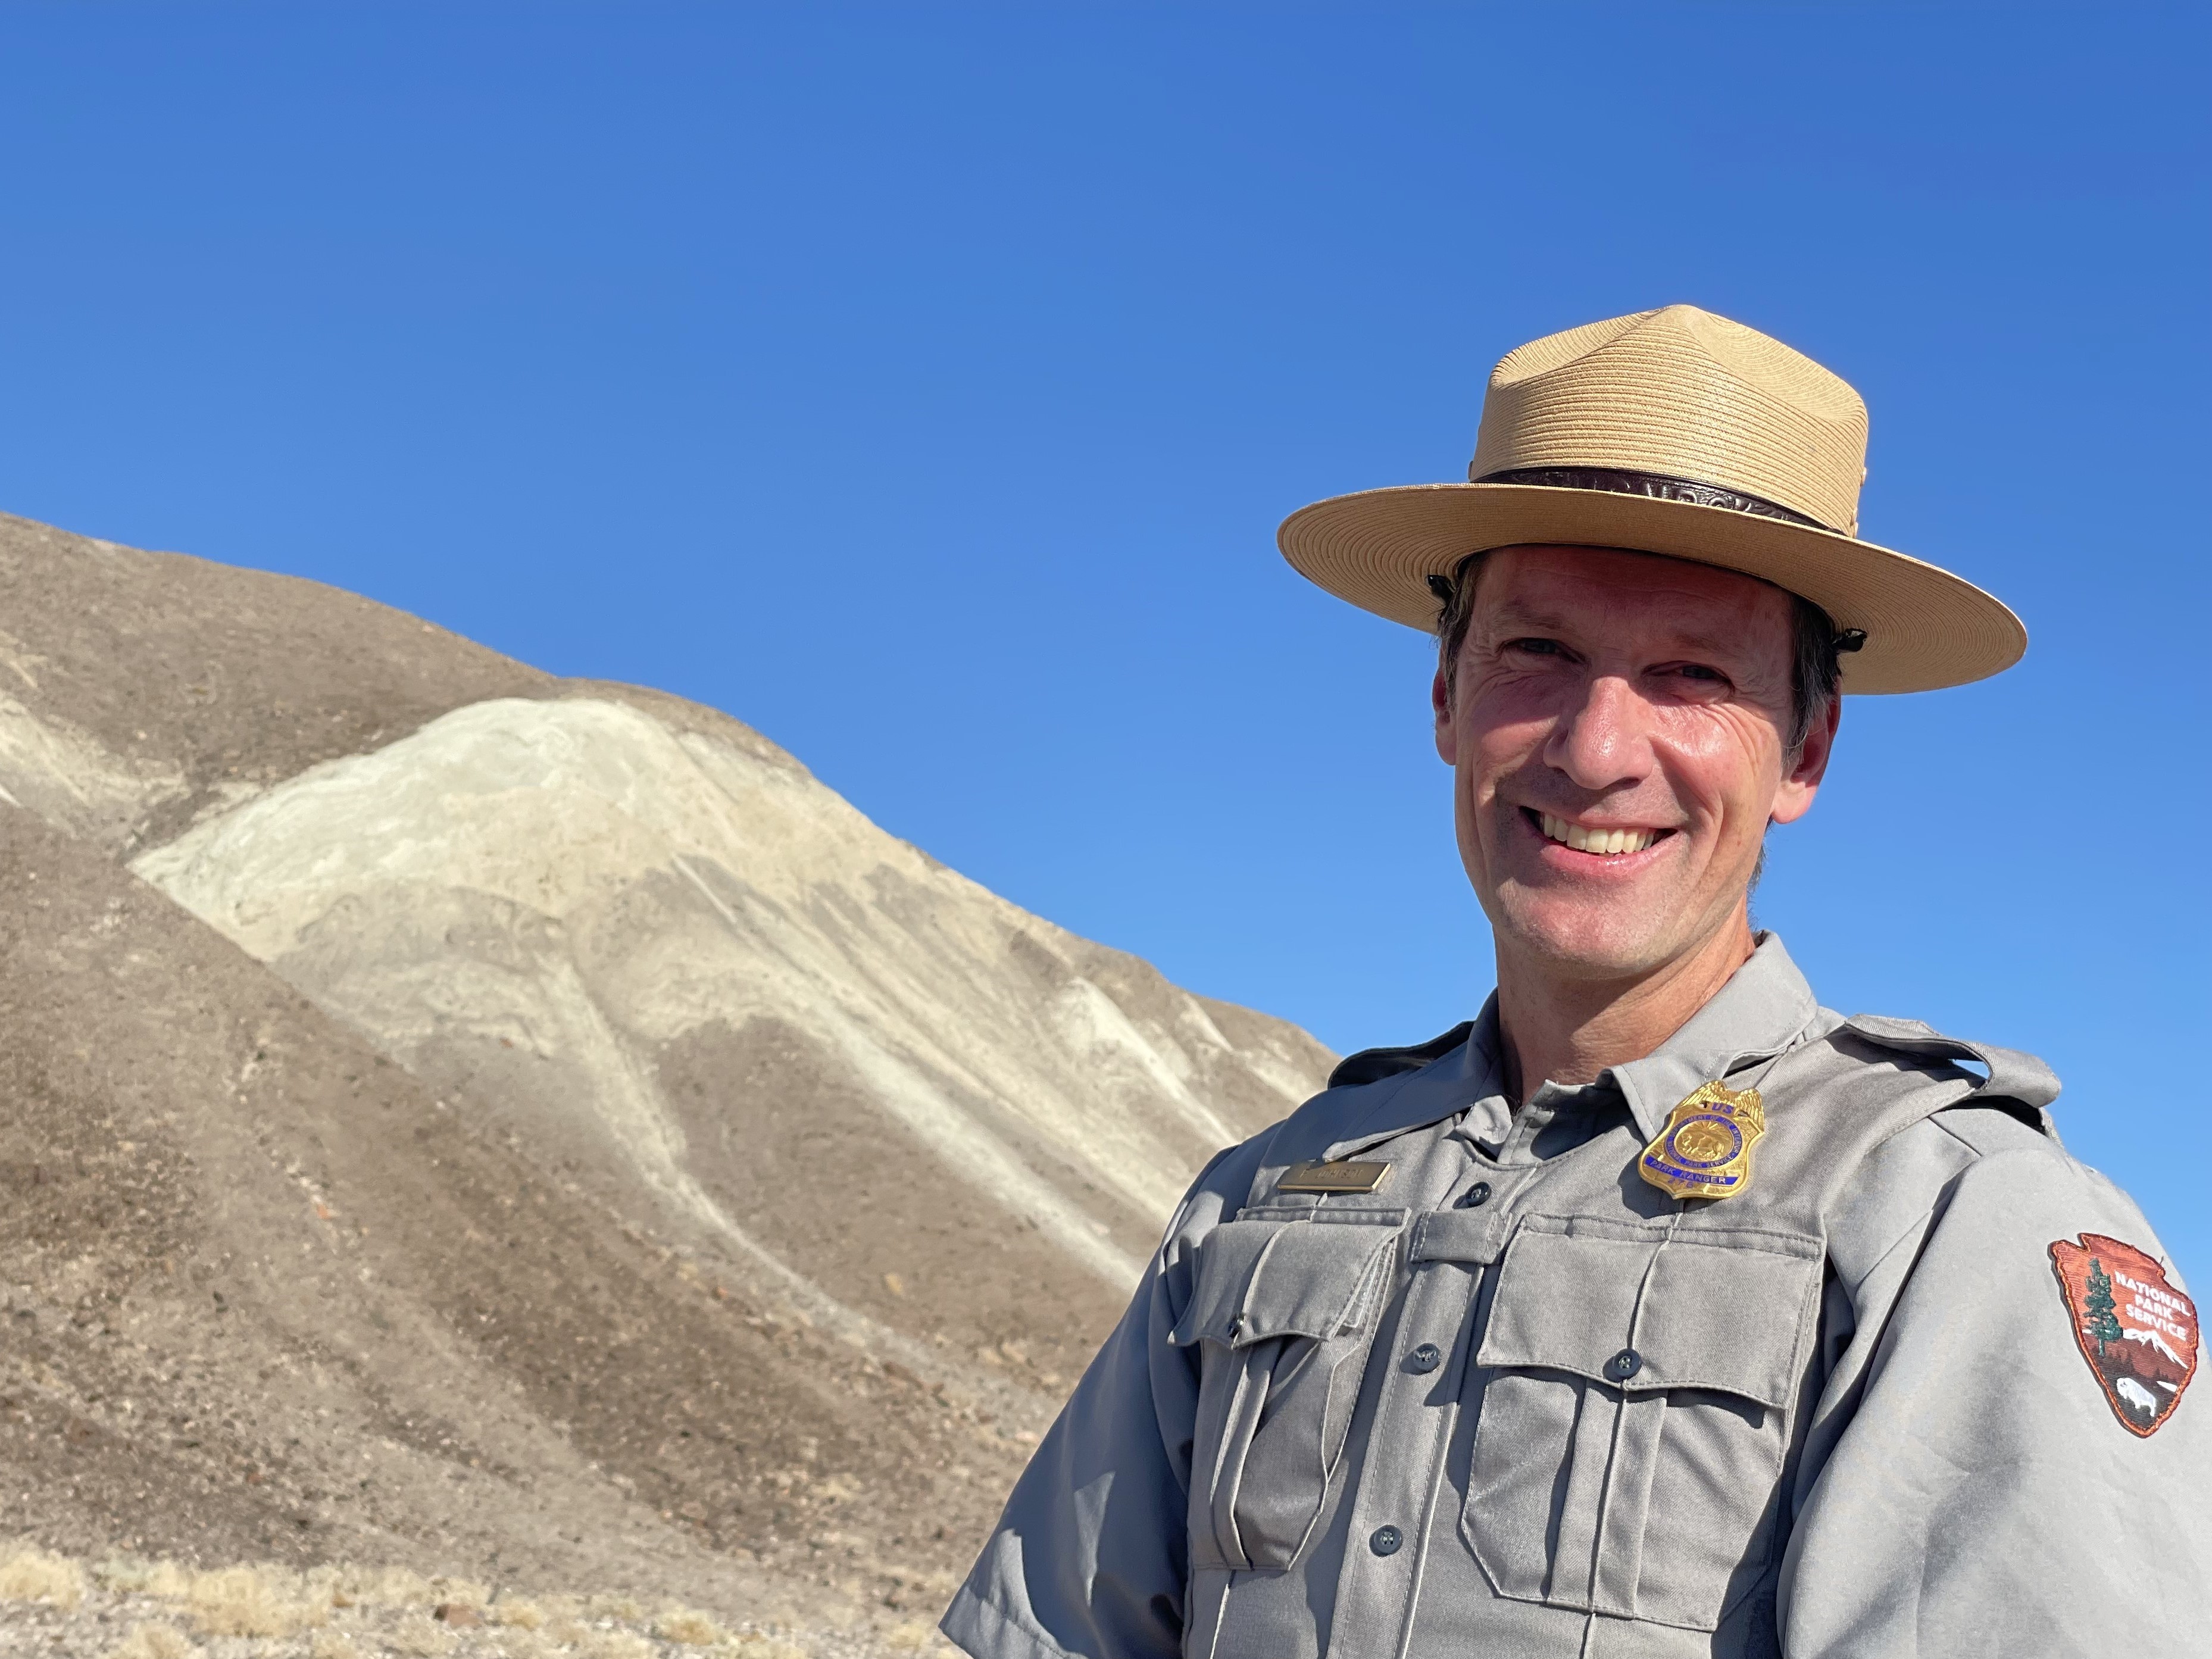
[1619, 733]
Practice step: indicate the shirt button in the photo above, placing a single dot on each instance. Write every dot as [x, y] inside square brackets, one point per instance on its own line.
[1624, 1365]
[1475, 1196]
[1384, 1540]
[1427, 1358]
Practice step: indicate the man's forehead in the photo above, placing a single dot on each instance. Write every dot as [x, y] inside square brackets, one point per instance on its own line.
[1560, 587]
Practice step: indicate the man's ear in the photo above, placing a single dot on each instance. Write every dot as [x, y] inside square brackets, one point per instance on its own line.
[1440, 707]
[1793, 796]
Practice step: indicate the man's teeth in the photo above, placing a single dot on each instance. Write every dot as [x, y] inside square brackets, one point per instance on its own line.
[1597, 840]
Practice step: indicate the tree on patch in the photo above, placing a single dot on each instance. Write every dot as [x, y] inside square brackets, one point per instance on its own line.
[2100, 1320]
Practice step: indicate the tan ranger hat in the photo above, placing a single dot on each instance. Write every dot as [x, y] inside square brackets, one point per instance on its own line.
[1674, 432]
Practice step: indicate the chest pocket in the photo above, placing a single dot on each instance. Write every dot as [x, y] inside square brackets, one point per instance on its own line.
[1636, 1387]
[1283, 1314]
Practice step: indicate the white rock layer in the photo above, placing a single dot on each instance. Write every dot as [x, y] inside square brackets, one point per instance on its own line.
[541, 901]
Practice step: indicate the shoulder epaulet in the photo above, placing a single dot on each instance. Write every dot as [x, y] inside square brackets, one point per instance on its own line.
[1373, 1064]
[2017, 1082]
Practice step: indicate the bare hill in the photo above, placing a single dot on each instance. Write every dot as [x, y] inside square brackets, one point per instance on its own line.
[501, 1125]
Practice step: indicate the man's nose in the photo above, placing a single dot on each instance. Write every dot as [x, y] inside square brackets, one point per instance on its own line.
[1601, 742]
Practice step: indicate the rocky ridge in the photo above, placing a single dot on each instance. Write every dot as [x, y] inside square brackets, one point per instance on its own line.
[530, 1129]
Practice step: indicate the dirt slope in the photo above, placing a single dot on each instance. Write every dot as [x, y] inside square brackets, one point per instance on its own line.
[135, 688]
[529, 1128]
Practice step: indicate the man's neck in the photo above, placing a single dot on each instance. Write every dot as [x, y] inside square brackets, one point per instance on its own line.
[1570, 1030]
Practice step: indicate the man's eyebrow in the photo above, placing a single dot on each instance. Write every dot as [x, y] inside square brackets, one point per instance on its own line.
[1515, 617]
[1708, 644]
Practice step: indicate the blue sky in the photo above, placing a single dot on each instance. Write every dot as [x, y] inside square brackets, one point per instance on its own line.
[923, 385]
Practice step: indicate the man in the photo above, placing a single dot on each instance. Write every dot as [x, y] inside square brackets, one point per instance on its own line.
[1659, 1311]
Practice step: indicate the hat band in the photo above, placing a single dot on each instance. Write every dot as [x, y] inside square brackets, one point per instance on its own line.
[1654, 484]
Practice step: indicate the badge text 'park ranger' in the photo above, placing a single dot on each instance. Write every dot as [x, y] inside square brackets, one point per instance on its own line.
[1659, 1311]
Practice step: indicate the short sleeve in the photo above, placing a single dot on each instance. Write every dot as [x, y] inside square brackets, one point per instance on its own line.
[1986, 1496]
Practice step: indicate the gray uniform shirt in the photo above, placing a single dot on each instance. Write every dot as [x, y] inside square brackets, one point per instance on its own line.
[1518, 1401]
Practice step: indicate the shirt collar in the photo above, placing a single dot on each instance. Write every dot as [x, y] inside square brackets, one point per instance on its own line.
[1765, 1007]
[1443, 1088]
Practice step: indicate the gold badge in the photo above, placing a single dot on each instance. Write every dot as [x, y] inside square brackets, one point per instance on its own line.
[1705, 1151]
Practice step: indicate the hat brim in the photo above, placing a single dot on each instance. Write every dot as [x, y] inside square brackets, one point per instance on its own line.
[1925, 628]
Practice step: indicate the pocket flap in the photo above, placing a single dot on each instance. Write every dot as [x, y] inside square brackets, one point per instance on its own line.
[1476, 1237]
[1258, 1279]
[1699, 1309]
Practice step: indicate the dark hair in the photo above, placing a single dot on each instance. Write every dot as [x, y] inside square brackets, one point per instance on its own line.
[1814, 670]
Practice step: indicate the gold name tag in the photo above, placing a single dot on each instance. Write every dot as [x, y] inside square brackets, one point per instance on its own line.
[1332, 1177]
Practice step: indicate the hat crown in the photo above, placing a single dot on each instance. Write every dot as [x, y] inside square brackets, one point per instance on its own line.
[1685, 394]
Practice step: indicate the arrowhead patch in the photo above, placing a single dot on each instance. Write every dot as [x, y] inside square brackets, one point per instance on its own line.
[2138, 1332]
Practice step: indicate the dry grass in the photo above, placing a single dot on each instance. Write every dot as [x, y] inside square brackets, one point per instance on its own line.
[345, 1611]
[516, 1613]
[380, 1587]
[753, 1645]
[416, 1635]
[257, 1601]
[916, 1637]
[32, 1574]
[152, 1641]
[687, 1627]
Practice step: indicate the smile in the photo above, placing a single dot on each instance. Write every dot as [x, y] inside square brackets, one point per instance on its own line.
[1606, 843]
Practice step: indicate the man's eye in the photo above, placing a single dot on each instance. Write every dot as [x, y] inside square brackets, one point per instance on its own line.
[1539, 647]
[1695, 671]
